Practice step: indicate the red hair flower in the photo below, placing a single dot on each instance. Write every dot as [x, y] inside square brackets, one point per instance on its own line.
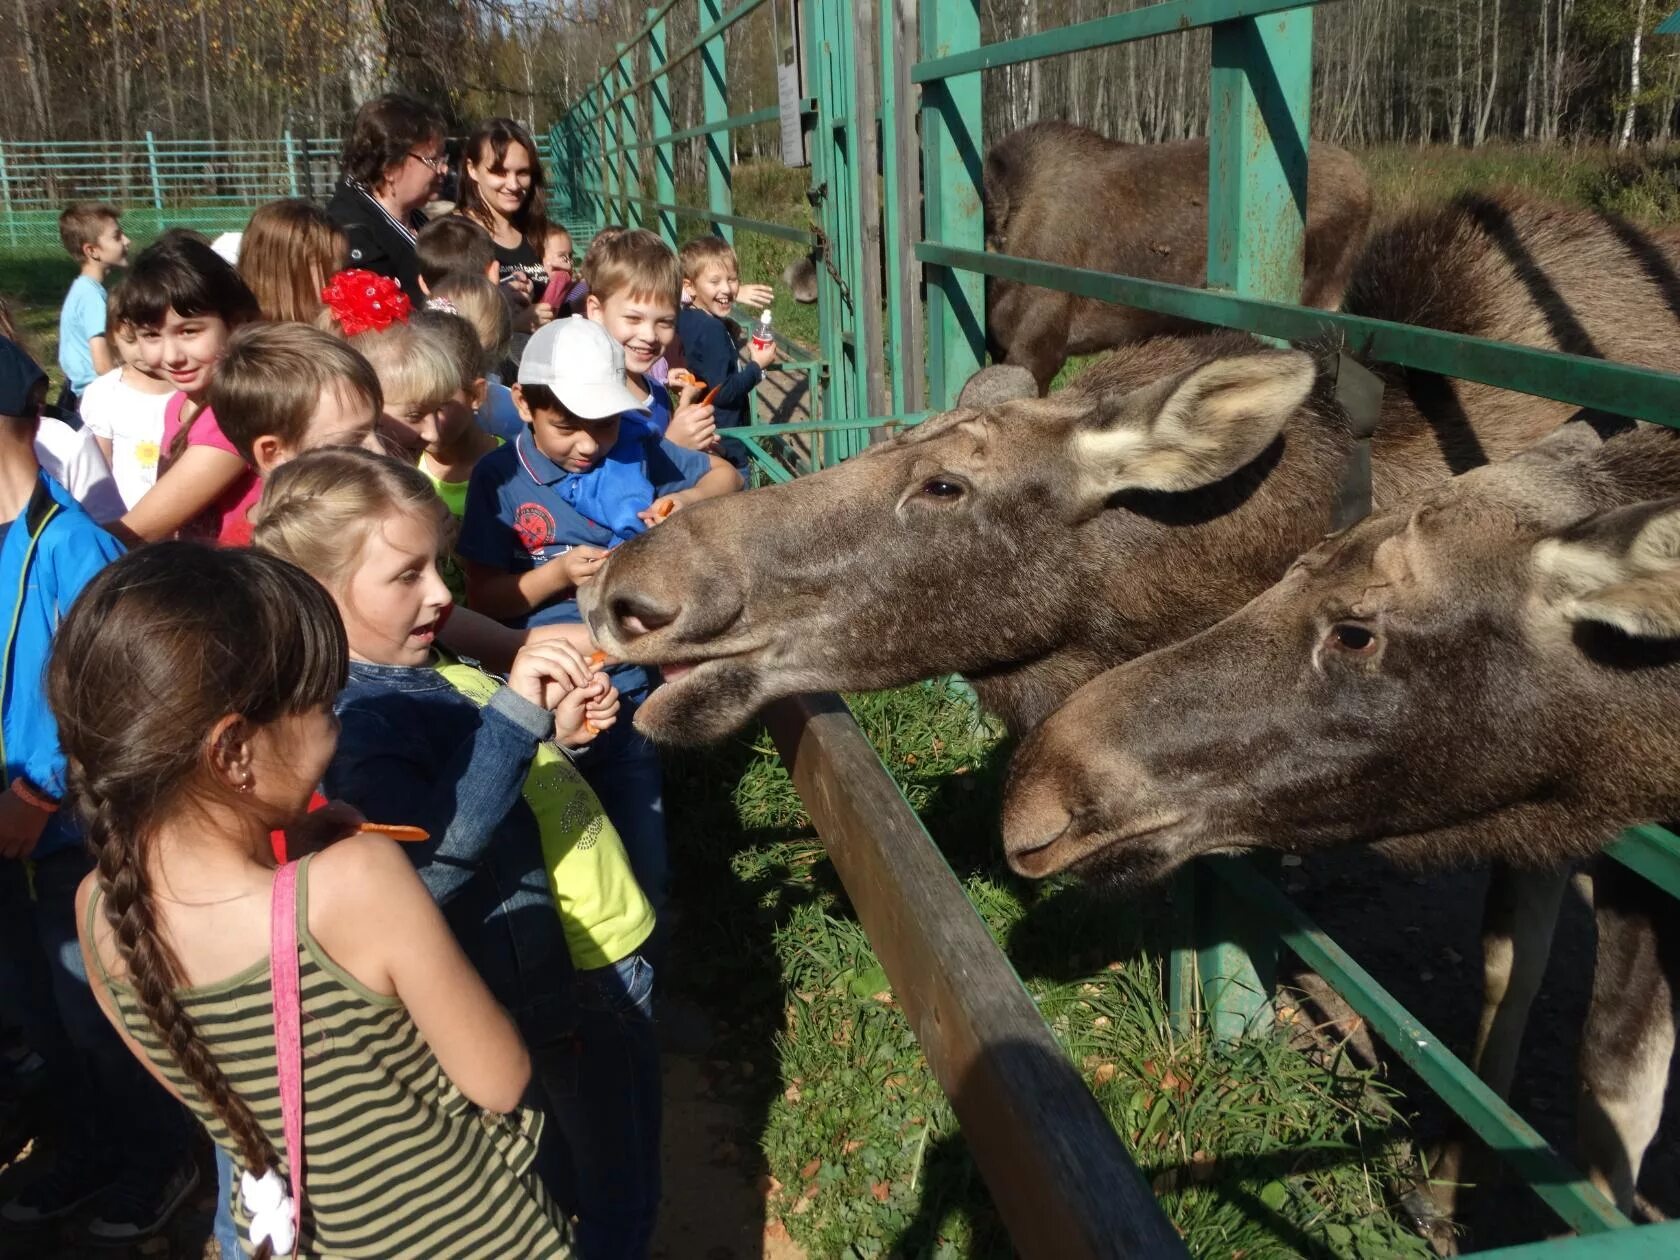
[365, 301]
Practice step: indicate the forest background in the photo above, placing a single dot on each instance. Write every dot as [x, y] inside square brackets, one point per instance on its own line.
[1458, 72]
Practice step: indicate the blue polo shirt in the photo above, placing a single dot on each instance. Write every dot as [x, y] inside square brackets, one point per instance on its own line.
[516, 518]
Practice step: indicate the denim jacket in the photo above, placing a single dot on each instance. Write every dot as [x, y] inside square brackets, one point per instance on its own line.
[414, 750]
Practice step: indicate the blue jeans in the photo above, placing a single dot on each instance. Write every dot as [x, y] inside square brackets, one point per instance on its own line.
[225, 1231]
[111, 1107]
[607, 1101]
[623, 769]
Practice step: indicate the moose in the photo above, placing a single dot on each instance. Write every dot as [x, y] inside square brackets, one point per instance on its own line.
[1489, 671]
[1030, 543]
[1069, 195]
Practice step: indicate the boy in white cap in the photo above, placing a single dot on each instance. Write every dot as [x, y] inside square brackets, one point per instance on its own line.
[543, 511]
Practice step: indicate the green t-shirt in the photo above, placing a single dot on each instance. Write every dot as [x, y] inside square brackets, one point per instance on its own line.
[454, 496]
[602, 908]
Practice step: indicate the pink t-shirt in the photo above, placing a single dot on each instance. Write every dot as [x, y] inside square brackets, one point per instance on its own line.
[227, 520]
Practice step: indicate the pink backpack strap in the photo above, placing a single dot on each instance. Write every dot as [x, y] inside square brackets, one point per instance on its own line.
[288, 1029]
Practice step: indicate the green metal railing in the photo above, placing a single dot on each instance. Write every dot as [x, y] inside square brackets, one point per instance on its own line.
[1234, 918]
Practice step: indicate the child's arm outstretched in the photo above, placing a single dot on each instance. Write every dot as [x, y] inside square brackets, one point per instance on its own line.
[508, 593]
[713, 358]
[719, 478]
[380, 771]
[194, 481]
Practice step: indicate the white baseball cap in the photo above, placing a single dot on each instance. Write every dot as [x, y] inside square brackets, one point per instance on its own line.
[582, 364]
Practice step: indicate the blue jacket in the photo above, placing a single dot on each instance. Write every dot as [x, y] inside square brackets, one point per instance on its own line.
[52, 550]
[415, 750]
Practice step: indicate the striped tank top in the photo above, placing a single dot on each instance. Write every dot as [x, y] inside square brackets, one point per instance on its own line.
[398, 1162]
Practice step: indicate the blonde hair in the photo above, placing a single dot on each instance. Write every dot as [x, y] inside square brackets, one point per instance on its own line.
[288, 253]
[271, 377]
[456, 336]
[638, 263]
[481, 304]
[318, 510]
[409, 364]
[702, 251]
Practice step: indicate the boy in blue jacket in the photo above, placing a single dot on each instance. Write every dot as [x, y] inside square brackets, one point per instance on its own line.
[123, 1147]
[712, 280]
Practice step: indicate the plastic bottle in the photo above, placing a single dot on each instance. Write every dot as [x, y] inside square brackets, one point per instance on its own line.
[762, 336]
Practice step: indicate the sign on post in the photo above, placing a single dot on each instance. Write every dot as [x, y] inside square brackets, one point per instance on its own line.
[790, 86]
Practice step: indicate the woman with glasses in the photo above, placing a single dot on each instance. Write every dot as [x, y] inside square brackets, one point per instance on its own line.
[393, 164]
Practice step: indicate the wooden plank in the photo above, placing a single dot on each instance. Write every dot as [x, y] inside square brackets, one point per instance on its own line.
[866, 306]
[904, 187]
[1058, 1173]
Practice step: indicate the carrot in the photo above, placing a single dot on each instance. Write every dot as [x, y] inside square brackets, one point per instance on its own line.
[710, 394]
[666, 507]
[397, 831]
[597, 657]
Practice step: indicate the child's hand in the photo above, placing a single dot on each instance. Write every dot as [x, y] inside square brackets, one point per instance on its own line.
[546, 671]
[759, 295]
[581, 563]
[765, 355]
[659, 509]
[584, 712]
[542, 313]
[693, 425]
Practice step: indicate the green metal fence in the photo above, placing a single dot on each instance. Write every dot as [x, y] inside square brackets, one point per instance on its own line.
[1233, 917]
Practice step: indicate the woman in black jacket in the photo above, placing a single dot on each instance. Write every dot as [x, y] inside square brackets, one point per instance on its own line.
[393, 164]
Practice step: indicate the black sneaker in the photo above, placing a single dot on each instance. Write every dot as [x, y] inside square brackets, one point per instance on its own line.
[139, 1203]
[67, 1184]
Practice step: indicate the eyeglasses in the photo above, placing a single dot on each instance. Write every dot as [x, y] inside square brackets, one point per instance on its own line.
[436, 165]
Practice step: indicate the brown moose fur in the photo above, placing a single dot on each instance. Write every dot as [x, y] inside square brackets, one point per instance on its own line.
[1067, 195]
[857, 578]
[1490, 705]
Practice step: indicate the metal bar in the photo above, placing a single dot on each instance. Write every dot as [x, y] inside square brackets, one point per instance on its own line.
[1119, 28]
[762, 458]
[733, 220]
[664, 155]
[631, 176]
[903, 173]
[1575, 1200]
[1058, 1173]
[735, 123]
[866, 149]
[152, 159]
[1647, 1242]
[721, 24]
[714, 91]
[1653, 852]
[829, 426]
[1617, 388]
[951, 173]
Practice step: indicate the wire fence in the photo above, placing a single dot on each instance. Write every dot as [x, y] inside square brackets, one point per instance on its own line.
[211, 185]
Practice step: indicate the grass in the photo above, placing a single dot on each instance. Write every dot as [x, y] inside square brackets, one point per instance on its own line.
[1258, 1150]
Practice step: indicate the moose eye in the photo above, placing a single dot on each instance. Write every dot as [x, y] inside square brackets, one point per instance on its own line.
[942, 488]
[1351, 638]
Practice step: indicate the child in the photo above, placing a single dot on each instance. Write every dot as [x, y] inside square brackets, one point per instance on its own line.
[416, 377]
[92, 234]
[123, 1143]
[541, 513]
[185, 756]
[634, 288]
[481, 304]
[185, 302]
[124, 408]
[566, 289]
[282, 389]
[286, 254]
[454, 246]
[712, 275]
[515, 833]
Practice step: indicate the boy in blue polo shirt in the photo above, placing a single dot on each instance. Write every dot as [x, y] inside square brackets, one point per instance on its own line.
[588, 472]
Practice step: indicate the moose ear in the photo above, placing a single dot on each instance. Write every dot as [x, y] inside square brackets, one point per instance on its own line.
[1190, 433]
[1622, 570]
[995, 385]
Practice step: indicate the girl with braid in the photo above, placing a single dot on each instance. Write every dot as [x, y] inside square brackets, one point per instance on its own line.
[193, 689]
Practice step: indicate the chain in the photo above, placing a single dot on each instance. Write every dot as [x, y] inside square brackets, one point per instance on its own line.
[822, 249]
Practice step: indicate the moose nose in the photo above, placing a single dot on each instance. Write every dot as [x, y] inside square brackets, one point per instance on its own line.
[631, 615]
[1034, 818]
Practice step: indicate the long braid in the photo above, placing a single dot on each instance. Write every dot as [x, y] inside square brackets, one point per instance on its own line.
[153, 972]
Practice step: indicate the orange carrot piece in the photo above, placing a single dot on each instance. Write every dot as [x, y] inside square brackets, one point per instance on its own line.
[397, 831]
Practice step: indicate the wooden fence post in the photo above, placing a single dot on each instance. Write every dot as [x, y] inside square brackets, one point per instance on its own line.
[901, 162]
[714, 93]
[866, 144]
[951, 143]
[664, 153]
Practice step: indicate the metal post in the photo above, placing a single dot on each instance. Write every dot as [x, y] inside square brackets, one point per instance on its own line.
[902, 172]
[714, 92]
[664, 156]
[866, 256]
[6, 198]
[630, 171]
[291, 164]
[157, 184]
[611, 173]
[308, 167]
[951, 145]
[1257, 204]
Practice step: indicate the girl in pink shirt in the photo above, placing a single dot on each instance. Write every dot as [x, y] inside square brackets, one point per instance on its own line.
[185, 301]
